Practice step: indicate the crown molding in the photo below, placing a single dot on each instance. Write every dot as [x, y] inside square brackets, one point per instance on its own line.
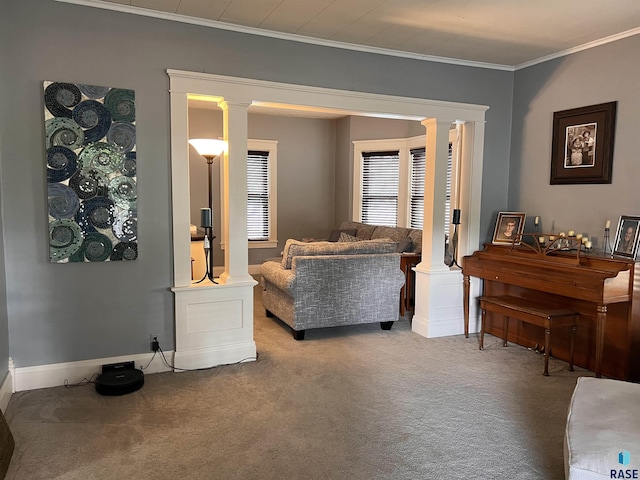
[580, 48]
[281, 35]
[175, 17]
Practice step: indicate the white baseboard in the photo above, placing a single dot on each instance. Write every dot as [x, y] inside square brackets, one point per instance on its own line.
[6, 389]
[216, 355]
[53, 375]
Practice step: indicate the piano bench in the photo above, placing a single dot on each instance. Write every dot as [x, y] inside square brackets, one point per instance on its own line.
[529, 312]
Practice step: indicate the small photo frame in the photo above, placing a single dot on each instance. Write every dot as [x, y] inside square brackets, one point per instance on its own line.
[626, 239]
[509, 228]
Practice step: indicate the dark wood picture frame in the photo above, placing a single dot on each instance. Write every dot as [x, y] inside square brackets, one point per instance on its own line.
[504, 218]
[582, 144]
[627, 245]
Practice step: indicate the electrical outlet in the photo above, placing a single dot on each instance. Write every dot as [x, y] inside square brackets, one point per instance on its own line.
[154, 343]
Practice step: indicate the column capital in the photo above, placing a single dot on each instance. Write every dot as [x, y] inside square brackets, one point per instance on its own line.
[225, 103]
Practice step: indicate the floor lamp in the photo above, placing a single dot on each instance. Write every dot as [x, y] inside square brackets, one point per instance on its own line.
[209, 149]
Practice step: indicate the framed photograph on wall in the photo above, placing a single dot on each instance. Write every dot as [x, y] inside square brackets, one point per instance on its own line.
[582, 144]
[509, 228]
[626, 239]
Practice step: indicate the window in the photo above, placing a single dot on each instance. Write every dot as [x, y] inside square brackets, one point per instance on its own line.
[389, 181]
[261, 191]
[380, 183]
[258, 191]
[416, 211]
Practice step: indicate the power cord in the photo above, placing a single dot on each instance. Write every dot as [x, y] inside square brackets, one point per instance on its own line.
[81, 383]
[173, 367]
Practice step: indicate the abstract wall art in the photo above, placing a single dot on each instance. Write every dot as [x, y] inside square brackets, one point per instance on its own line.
[90, 139]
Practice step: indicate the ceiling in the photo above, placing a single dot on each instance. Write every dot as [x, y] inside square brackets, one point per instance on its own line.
[506, 34]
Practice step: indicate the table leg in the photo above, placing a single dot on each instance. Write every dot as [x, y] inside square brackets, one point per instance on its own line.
[601, 319]
[547, 350]
[465, 303]
[573, 336]
[482, 324]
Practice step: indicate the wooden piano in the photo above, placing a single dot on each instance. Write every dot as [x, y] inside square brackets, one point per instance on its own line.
[605, 291]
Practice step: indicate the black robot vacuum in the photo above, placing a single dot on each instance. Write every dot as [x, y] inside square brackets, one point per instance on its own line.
[119, 379]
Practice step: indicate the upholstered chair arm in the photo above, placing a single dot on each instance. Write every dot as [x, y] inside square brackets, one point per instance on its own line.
[274, 273]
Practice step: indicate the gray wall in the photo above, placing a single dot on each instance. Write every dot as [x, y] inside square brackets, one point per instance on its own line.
[4, 317]
[63, 313]
[603, 74]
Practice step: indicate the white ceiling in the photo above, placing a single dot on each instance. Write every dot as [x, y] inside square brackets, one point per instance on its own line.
[504, 34]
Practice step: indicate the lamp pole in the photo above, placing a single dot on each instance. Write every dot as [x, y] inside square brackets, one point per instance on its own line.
[210, 230]
[209, 149]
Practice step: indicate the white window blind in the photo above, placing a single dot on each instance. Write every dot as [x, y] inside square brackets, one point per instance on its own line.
[416, 208]
[380, 186]
[258, 195]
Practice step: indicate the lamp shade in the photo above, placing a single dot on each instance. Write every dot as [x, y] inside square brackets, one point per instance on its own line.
[208, 147]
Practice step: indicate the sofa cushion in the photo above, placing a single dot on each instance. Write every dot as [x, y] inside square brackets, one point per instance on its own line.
[334, 236]
[295, 248]
[394, 233]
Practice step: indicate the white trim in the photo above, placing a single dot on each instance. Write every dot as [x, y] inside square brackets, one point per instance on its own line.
[54, 375]
[265, 93]
[579, 48]
[247, 91]
[6, 389]
[343, 45]
[215, 355]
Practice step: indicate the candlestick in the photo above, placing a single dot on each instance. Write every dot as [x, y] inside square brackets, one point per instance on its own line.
[608, 224]
[536, 221]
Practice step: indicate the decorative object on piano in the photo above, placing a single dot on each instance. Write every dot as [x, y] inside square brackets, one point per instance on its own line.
[582, 144]
[544, 244]
[626, 243]
[509, 228]
[606, 240]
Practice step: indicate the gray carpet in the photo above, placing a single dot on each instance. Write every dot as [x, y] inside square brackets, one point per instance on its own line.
[345, 403]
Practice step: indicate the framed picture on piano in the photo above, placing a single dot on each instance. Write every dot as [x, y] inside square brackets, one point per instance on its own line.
[509, 227]
[627, 236]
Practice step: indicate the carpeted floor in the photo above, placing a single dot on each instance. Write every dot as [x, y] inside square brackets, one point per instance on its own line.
[346, 403]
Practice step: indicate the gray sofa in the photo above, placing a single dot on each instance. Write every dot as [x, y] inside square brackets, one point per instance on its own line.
[409, 239]
[328, 284]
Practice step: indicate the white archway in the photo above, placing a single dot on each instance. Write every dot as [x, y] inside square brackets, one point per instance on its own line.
[214, 323]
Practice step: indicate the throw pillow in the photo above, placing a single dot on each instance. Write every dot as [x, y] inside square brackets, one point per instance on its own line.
[334, 236]
[345, 237]
[405, 245]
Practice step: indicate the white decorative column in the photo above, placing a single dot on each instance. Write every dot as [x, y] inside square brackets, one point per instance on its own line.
[236, 253]
[213, 322]
[438, 308]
